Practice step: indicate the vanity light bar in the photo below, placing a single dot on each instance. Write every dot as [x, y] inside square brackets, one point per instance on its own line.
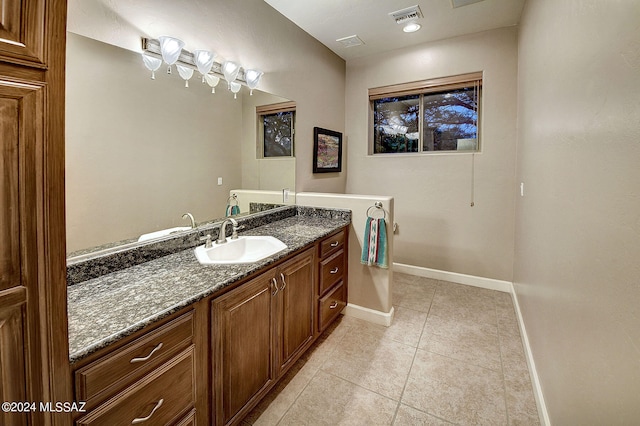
[151, 47]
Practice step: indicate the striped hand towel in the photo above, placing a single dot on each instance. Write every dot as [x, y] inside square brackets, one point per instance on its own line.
[232, 210]
[374, 247]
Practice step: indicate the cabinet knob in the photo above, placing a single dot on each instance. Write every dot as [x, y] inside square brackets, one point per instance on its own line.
[335, 244]
[334, 270]
[274, 283]
[284, 283]
[144, 419]
[333, 305]
[143, 359]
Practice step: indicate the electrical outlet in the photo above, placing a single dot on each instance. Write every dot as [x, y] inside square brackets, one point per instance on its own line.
[522, 189]
[219, 181]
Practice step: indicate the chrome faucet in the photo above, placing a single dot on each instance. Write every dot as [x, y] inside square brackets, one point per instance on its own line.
[223, 229]
[190, 216]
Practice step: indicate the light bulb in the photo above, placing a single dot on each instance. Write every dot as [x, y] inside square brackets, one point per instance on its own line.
[235, 88]
[212, 81]
[204, 61]
[253, 78]
[152, 64]
[170, 48]
[230, 70]
[186, 73]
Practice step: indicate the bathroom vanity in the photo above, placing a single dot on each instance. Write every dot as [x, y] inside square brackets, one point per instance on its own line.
[171, 341]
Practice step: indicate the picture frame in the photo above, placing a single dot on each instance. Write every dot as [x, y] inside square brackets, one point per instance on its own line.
[327, 151]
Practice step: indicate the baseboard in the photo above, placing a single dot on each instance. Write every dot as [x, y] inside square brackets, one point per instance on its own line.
[371, 315]
[537, 388]
[490, 284]
[454, 277]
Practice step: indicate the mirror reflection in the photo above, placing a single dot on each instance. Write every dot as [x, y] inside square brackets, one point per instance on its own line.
[142, 152]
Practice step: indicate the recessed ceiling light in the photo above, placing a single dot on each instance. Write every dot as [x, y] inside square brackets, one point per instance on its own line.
[411, 27]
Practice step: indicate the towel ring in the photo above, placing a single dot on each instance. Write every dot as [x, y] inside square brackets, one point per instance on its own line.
[377, 206]
[233, 197]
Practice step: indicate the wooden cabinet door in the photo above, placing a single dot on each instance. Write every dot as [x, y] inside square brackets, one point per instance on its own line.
[13, 386]
[22, 32]
[296, 308]
[21, 105]
[34, 363]
[242, 323]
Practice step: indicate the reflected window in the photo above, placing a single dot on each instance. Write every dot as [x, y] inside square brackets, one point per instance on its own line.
[427, 116]
[276, 133]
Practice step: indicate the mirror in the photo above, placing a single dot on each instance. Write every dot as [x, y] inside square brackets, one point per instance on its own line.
[140, 152]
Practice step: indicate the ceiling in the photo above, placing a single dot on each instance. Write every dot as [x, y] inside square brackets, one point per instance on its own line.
[329, 20]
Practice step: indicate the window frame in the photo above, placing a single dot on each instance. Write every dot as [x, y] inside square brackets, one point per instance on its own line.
[263, 110]
[422, 87]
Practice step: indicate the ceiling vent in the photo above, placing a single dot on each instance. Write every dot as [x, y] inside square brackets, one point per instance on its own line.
[405, 15]
[460, 3]
[350, 41]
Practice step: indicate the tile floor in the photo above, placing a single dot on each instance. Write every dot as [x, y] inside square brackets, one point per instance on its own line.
[453, 355]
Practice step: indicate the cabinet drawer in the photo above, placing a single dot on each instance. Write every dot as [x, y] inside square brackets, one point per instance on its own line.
[331, 305]
[159, 398]
[108, 375]
[331, 271]
[332, 244]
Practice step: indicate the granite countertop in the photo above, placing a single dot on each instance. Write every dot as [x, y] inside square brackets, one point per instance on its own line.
[105, 309]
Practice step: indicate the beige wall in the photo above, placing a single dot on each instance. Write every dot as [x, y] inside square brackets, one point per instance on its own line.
[577, 265]
[437, 227]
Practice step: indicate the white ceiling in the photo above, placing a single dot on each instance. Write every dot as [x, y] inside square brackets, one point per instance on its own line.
[328, 20]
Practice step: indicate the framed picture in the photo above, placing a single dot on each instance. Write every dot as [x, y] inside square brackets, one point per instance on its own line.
[327, 151]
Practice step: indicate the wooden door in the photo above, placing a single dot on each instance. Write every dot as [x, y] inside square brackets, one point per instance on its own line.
[296, 308]
[242, 324]
[33, 335]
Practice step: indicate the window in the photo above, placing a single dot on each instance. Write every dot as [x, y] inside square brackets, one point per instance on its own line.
[276, 129]
[427, 116]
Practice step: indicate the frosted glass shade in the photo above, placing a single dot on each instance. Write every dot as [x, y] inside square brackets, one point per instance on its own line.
[230, 71]
[235, 88]
[186, 73]
[253, 78]
[212, 81]
[170, 48]
[204, 61]
[152, 64]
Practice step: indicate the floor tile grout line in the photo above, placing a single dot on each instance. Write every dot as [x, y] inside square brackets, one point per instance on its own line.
[395, 415]
[314, 374]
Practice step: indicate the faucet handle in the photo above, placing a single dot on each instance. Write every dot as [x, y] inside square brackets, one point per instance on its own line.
[236, 228]
[207, 240]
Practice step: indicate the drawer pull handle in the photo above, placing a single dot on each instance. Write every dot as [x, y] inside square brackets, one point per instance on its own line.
[335, 244]
[333, 305]
[274, 282]
[157, 348]
[284, 283]
[334, 270]
[144, 419]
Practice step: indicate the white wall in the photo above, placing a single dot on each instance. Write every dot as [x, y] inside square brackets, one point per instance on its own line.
[577, 266]
[437, 227]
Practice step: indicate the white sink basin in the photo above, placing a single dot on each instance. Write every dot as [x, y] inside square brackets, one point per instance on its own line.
[247, 249]
[162, 233]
